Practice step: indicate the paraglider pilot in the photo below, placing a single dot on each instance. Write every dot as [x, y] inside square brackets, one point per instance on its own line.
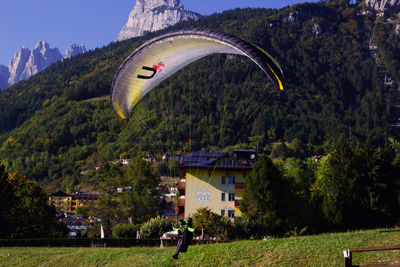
[185, 233]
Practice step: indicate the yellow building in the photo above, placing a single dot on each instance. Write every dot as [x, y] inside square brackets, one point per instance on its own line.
[70, 202]
[214, 180]
[61, 201]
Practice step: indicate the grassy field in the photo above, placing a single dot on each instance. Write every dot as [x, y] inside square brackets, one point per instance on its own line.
[321, 250]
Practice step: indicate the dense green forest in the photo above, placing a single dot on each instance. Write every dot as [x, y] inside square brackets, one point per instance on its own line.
[60, 122]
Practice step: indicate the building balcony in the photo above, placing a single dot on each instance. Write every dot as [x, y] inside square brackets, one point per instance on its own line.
[182, 184]
[239, 186]
[237, 202]
[181, 202]
[182, 174]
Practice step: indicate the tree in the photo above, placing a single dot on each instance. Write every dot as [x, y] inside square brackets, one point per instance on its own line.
[265, 196]
[83, 211]
[280, 150]
[383, 184]
[106, 206]
[395, 144]
[26, 212]
[140, 201]
[336, 181]
[155, 228]
[30, 212]
[358, 186]
[246, 228]
[125, 231]
[211, 223]
[7, 201]
[301, 212]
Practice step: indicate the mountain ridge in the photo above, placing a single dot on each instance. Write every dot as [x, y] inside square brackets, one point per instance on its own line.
[333, 86]
[146, 16]
[27, 63]
[153, 15]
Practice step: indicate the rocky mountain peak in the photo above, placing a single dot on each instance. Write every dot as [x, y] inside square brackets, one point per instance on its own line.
[27, 63]
[74, 50]
[40, 58]
[17, 64]
[150, 4]
[384, 7]
[153, 15]
[42, 45]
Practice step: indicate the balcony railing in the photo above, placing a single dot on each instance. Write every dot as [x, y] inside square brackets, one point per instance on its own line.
[237, 202]
[239, 186]
[182, 185]
[181, 202]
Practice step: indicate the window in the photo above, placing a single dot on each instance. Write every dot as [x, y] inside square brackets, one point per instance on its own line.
[231, 213]
[222, 196]
[231, 179]
[231, 197]
[222, 212]
[223, 179]
[227, 162]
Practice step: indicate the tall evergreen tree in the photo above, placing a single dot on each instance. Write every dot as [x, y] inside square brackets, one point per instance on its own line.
[358, 186]
[265, 196]
[140, 201]
[24, 210]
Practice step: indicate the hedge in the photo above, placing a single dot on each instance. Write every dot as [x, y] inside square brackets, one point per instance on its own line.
[82, 242]
[95, 242]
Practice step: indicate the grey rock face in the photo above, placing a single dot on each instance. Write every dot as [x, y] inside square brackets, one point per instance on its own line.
[4, 75]
[316, 30]
[397, 29]
[384, 7]
[153, 15]
[74, 50]
[27, 63]
[292, 17]
[17, 64]
[40, 58]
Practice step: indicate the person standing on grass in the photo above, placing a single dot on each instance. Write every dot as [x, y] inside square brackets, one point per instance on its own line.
[185, 234]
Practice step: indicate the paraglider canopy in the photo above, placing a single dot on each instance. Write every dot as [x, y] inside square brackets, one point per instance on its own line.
[159, 58]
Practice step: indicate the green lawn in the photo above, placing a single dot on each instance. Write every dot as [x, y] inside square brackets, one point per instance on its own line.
[321, 250]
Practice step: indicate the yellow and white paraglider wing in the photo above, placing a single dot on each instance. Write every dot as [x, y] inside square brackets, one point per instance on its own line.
[161, 57]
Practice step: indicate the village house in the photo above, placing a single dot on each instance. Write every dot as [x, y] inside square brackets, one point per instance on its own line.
[70, 202]
[214, 180]
[74, 223]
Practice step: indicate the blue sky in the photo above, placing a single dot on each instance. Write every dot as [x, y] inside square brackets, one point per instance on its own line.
[94, 23]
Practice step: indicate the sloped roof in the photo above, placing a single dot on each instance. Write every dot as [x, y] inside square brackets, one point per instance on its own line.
[205, 154]
[211, 160]
[203, 164]
[60, 194]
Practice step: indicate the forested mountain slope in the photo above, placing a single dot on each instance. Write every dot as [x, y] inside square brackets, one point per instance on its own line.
[54, 125]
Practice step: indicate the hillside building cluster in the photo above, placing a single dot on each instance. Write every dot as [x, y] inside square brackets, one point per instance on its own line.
[213, 180]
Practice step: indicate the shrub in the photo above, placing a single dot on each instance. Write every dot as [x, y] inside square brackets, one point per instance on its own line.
[245, 228]
[155, 228]
[125, 230]
[211, 223]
